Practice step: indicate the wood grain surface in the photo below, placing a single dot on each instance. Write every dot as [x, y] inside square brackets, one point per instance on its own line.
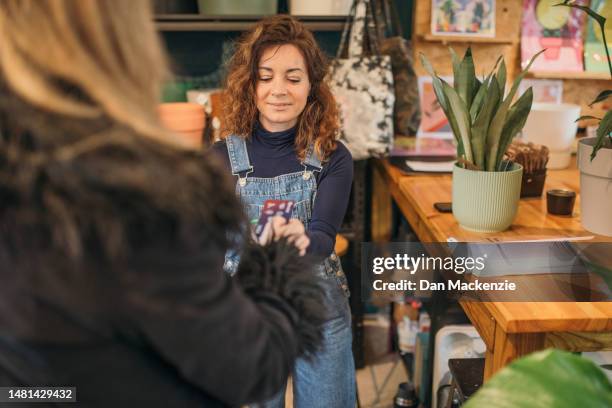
[510, 329]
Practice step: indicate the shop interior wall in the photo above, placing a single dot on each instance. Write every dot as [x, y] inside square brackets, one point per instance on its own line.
[195, 53]
[506, 42]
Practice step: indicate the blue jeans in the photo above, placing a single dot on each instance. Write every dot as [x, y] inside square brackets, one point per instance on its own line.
[328, 381]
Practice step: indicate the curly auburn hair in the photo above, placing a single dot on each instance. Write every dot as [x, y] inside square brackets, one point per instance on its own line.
[318, 122]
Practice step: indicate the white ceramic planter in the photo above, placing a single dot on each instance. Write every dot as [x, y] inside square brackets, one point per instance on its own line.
[595, 188]
[554, 126]
[486, 201]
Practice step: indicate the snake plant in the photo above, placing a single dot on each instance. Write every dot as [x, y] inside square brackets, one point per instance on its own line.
[481, 115]
[605, 124]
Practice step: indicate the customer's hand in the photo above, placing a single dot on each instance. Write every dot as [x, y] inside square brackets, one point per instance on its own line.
[277, 227]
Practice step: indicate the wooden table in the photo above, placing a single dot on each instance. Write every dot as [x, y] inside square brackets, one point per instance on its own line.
[509, 329]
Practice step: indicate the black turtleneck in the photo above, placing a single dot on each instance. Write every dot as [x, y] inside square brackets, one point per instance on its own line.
[273, 154]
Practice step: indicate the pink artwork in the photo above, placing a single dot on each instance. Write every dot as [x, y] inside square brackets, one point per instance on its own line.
[556, 29]
[433, 120]
[423, 146]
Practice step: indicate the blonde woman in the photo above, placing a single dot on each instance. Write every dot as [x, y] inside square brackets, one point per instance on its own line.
[112, 238]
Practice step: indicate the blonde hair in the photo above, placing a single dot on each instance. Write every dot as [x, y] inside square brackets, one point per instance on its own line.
[85, 59]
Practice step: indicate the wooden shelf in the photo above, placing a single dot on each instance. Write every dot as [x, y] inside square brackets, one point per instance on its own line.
[199, 22]
[569, 75]
[446, 39]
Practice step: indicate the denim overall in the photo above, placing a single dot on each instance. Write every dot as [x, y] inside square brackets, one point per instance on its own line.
[329, 379]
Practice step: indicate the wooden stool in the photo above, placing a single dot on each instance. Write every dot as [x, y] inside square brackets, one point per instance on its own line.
[341, 246]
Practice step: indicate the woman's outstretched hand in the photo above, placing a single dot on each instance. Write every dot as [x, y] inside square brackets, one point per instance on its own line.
[277, 227]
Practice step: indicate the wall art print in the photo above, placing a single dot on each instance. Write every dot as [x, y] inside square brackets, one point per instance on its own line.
[463, 17]
[558, 30]
[594, 53]
[433, 120]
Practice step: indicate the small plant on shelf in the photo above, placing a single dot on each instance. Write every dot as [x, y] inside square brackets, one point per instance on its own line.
[604, 130]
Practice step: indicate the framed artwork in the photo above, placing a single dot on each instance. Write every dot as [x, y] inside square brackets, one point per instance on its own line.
[463, 17]
[423, 147]
[594, 53]
[544, 90]
[434, 123]
[557, 30]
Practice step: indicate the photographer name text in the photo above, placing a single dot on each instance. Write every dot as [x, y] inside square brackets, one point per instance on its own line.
[459, 285]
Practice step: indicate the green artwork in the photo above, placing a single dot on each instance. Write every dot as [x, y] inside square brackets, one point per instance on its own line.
[594, 53]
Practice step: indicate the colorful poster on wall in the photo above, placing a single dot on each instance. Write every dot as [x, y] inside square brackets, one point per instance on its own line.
[463, 17]
[594, 53]
[558, 30]
[544, 90]
[433, 120]
[423, 147]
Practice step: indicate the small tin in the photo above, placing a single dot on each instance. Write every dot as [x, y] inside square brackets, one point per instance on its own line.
[560, 201]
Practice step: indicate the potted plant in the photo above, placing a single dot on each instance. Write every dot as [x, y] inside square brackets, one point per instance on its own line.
[595, 156]
[486, 189]
[549, 378]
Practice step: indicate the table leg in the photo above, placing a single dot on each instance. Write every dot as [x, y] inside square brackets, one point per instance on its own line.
[488, 370]
[509, 346]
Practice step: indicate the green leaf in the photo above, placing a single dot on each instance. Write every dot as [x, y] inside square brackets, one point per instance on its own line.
[438, 90]
[480, 95]
[517, 117]
[478, 100]
[604, 129]
[483, 121]
[499, 59]
[464, 81]
[476, 88]
[586, 117]
[546, 379]
[440, 96]
[494, 134]
[602, 97]
[437, 85]
[501, 78]
[600, 19]
[460, 115]
[456, 61]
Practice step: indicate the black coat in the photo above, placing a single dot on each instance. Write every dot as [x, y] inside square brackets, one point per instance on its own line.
[111, 280]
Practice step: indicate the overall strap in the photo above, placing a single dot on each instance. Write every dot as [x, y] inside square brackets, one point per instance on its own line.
[239, 157]
[311, 159]
[311, 162]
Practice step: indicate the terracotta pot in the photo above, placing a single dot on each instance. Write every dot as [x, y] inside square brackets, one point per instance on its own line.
[211, 100]
[185, 119]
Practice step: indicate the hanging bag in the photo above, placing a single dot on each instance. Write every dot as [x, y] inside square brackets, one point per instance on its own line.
[362, 83]
[407, 109]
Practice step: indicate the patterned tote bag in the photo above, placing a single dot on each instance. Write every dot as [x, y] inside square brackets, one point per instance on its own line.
[362, 83]
[407, 110]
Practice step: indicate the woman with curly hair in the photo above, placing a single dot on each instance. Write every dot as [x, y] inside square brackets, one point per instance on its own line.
[279, 141]
[113, 237]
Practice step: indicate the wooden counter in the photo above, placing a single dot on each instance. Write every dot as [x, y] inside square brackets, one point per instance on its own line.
[510, 329]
